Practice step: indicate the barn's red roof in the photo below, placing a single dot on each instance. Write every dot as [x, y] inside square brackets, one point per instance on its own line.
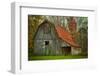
[66, 36]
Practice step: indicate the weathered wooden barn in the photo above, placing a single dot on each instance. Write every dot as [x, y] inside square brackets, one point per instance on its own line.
[53, 40]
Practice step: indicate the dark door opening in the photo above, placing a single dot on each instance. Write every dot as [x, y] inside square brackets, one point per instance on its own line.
[66, 50]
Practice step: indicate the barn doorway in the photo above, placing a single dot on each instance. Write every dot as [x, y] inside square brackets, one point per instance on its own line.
[66, 50]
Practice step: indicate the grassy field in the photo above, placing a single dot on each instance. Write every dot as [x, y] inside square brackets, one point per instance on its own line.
[56, 57]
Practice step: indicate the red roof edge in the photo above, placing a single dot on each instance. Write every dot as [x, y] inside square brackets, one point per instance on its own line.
[66, 36]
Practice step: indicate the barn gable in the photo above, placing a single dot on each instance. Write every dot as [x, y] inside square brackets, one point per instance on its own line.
[46, 41]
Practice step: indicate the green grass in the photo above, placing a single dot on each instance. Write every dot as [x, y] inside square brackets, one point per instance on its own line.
[56, 57]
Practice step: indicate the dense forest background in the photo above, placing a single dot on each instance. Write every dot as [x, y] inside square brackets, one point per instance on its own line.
[79, 31]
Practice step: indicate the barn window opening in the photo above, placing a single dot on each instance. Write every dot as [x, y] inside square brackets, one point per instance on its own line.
[46, 42]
